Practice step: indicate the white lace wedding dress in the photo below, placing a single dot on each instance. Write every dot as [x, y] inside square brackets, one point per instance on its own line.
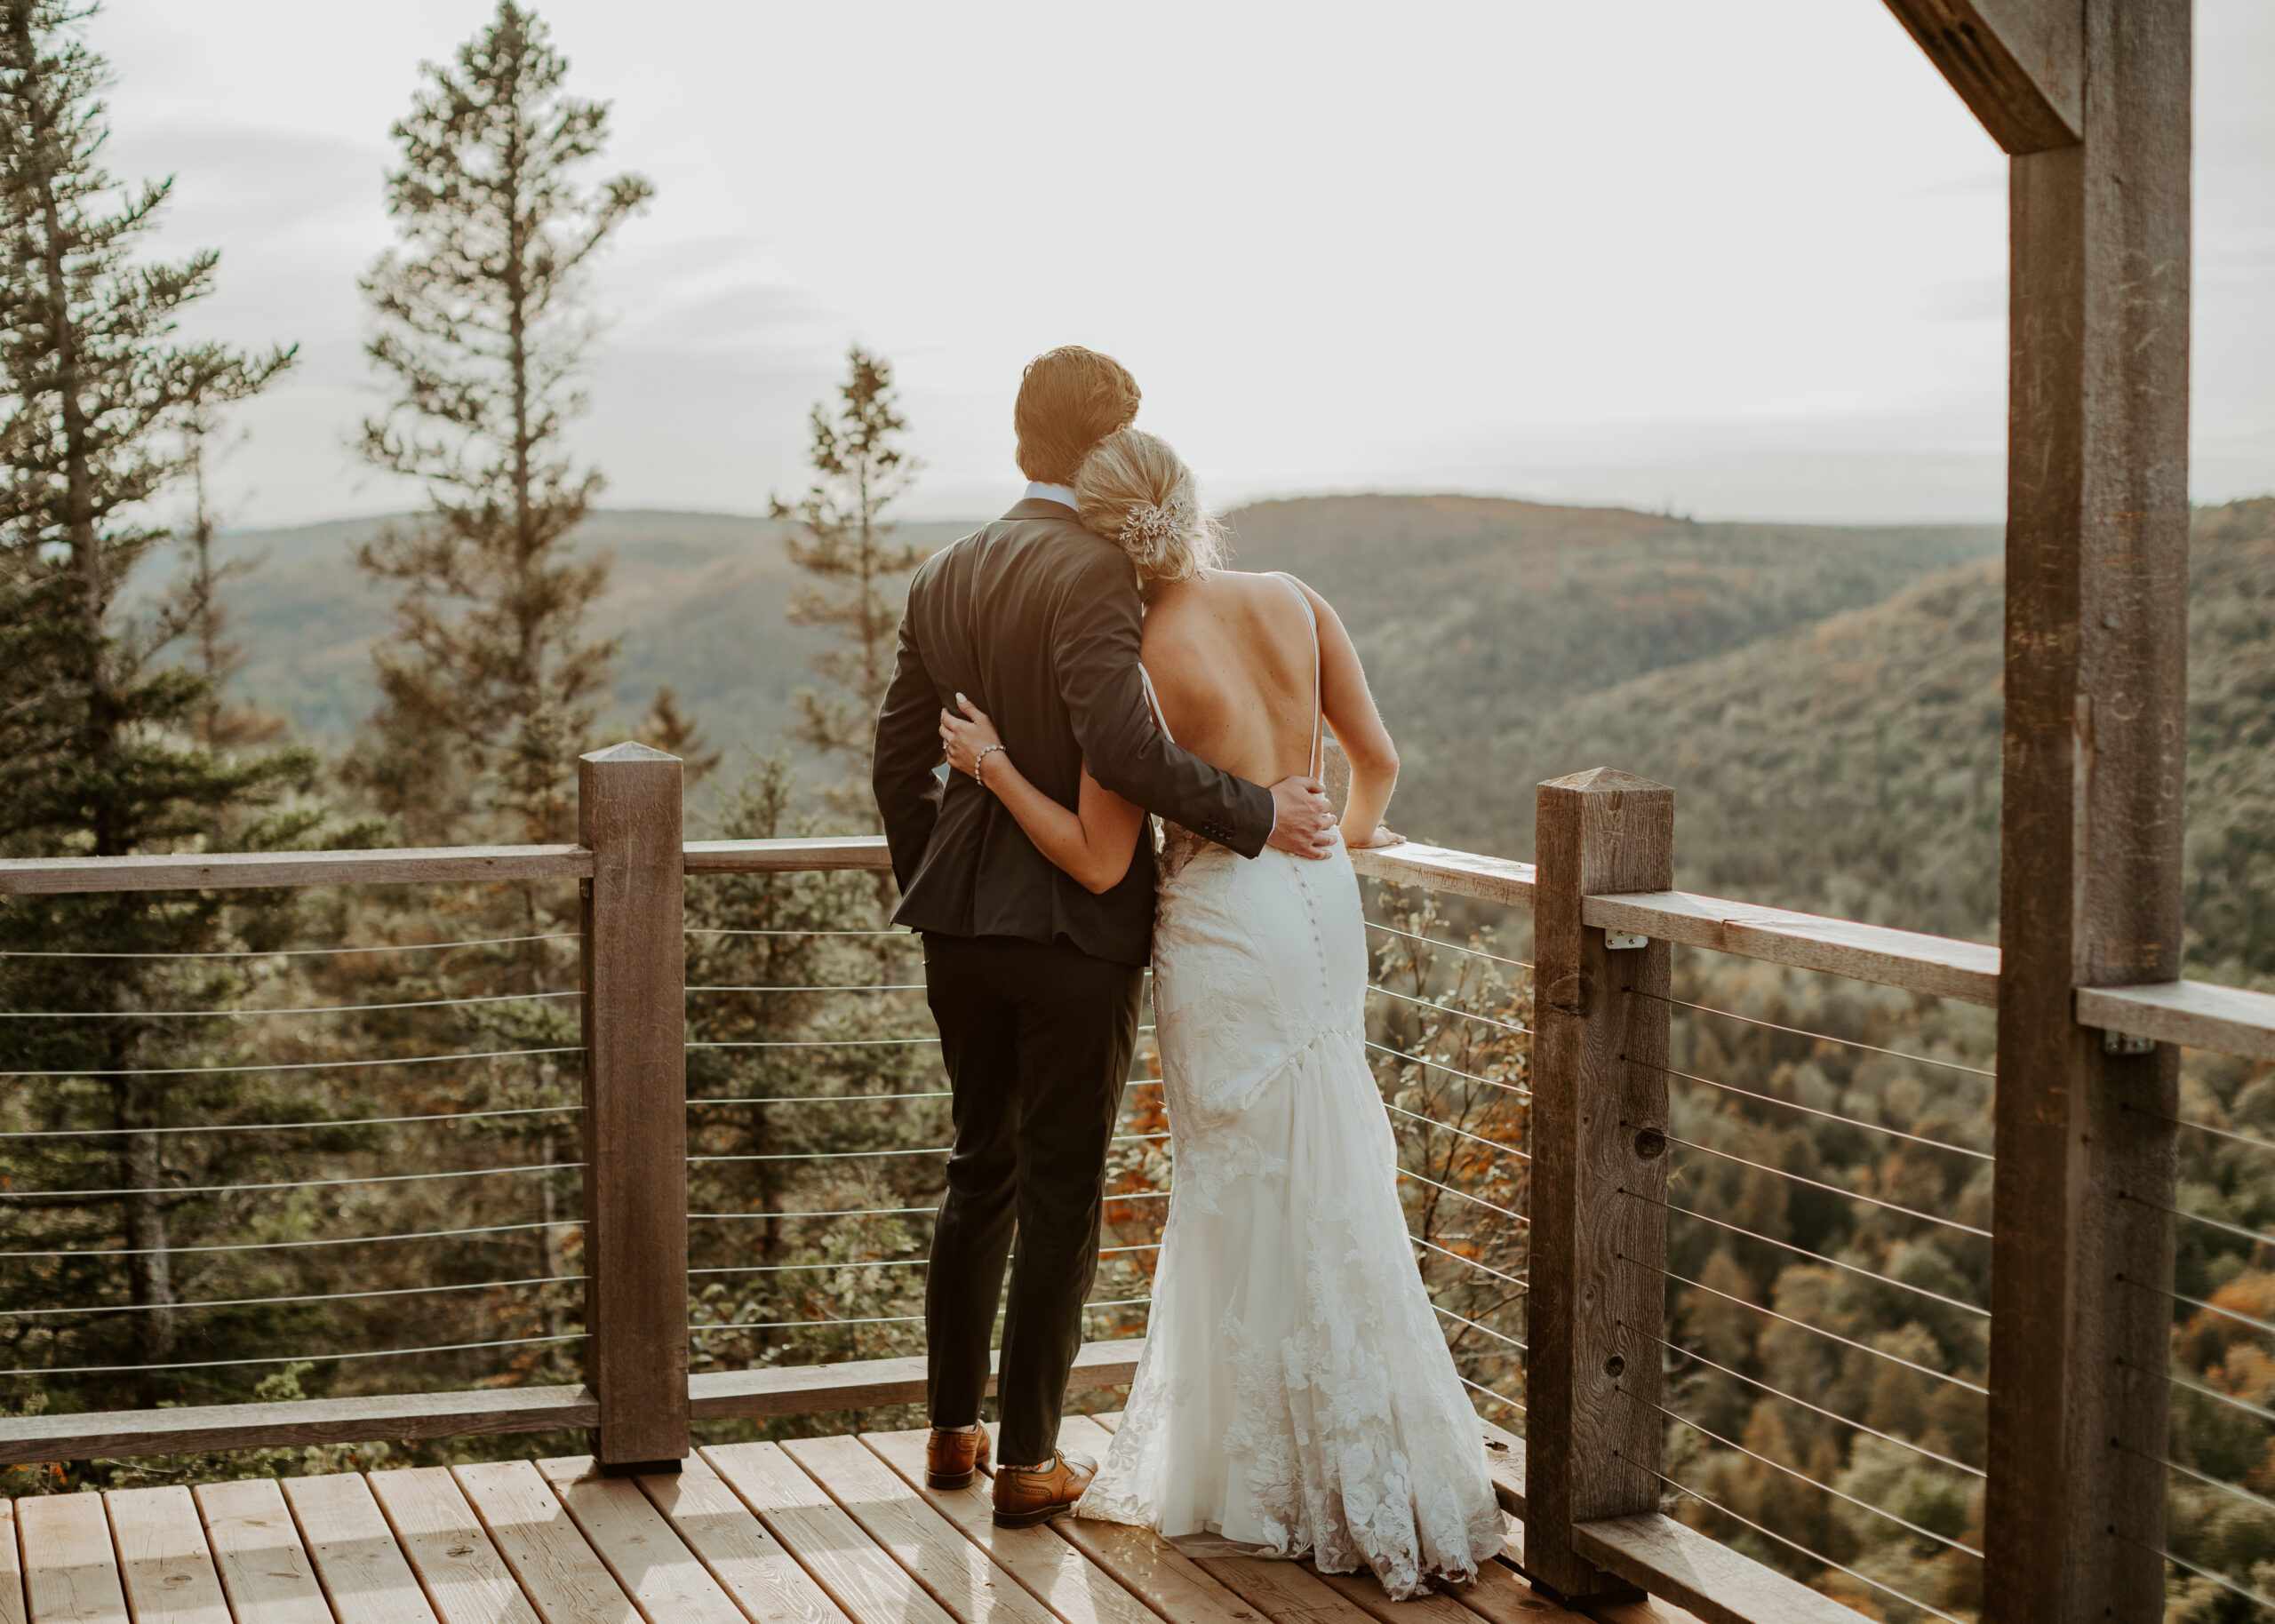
[1294, 1392]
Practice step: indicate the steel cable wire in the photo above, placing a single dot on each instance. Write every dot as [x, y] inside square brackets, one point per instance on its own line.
[2213, 1224]
[1829, 1335]
[866, 986]
[1692, 1354]
[237, 1302]
[1818, 1257]
[1830, 1116]
[821, 1099]
[1925, 1060]
[1488, 1330]
[1797, 1475]
[297, 1358]
[1948, 1223]
[2193, 1386]
[306, 952]
[1420, 1003]
[1489, 1393]
[2221, 1579]
[2205, 1127]
[216, 1015]
[287, 1245]
[1522, 1285]
[2236, 1489]
[1423, 1060]
[1406, 1172]
[1455, 947]
[216, 1190]
[807, 1156]
[1465, 1132]
[300, 1065]
[1793, 1545]
[278, 1127]
[2198, 1302]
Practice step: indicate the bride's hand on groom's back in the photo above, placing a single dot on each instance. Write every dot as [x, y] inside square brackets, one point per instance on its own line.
[1303, 818]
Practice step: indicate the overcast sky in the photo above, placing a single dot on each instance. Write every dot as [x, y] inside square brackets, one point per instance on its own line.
[1738, 261]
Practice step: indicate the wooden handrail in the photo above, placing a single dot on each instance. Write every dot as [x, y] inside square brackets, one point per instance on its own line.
[2197, 1013]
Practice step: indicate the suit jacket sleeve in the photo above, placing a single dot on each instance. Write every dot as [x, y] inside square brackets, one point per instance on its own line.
[1094, 652]
[908, 748]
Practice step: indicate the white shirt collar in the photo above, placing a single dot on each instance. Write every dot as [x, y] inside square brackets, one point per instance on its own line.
[1063, 495]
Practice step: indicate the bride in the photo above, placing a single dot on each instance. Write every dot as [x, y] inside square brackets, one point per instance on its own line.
[1294, 1392]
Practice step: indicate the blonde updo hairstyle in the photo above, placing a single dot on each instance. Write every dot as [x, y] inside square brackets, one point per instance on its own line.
[1137, 492]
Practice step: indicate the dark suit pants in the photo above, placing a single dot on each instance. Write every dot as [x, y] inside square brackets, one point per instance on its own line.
[1037, 1041]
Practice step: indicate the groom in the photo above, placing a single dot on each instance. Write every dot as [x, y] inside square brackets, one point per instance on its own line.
[1033, 980]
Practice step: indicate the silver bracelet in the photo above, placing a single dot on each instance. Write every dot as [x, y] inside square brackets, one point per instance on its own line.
[977, 760]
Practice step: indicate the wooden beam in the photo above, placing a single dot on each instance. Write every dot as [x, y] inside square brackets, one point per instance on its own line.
[856, 851]
[243, 870]
[1438, 868]
[1696, 1572]
[860, 1384]
[103, 1435]
[1597, 1305]
[2193, 1013]
[2094, 748]
[1941, 966]
[635, 1105]
[2019, 65]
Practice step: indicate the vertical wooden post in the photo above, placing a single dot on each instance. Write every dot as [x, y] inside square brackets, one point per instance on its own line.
[636, 1107]
[2090, 829]
[1597, 1304]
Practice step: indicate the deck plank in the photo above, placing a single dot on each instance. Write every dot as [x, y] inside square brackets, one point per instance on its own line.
[764, 1580]
[71, 1570]
[168, 1574]
[957, 1573]
[533, 1532]
[12, 1567]
[665, 1580]
[361, 1568]
[1363, 1591]
[863, 1580]
[265, 1569]
[465, 1578]
[1053, 1572]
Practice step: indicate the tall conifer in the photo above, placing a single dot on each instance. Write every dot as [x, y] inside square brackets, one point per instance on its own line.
[844, 542]
[102, 752]
[491, 685]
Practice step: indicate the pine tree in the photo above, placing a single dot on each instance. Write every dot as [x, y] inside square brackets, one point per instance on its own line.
[103, 755]
[845, 544]
[492, 686]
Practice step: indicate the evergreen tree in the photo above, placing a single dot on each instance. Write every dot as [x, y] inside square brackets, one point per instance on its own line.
[492, 684]
[844, 544]
[103, 755]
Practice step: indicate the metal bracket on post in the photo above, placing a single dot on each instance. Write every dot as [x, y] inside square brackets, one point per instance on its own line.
[2127, 1043]
[1614, 942]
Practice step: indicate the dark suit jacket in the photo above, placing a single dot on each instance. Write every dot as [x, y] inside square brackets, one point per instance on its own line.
[1036, 619]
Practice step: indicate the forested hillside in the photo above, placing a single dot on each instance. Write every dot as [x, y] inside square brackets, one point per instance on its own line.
[1472, 612]
[1851, 766]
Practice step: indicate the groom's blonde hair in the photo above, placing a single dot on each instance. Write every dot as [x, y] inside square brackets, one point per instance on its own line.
[1136, 492]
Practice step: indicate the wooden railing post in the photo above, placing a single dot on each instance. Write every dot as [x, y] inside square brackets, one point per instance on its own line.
[636, 1107]
[2096, 752]
[1596, 1312]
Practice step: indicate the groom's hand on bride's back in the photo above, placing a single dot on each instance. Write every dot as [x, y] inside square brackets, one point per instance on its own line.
[1303, 819]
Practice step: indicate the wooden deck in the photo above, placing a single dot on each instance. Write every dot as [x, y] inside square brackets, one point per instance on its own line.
[819, 1531]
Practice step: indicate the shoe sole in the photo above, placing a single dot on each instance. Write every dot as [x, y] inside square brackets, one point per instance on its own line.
[1028, 1519]
[950, 1480]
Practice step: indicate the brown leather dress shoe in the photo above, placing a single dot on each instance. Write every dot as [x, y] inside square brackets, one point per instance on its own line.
[953, 1458]
[1026, 1495]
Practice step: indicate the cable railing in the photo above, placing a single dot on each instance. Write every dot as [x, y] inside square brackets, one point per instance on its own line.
[1777, 1179]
